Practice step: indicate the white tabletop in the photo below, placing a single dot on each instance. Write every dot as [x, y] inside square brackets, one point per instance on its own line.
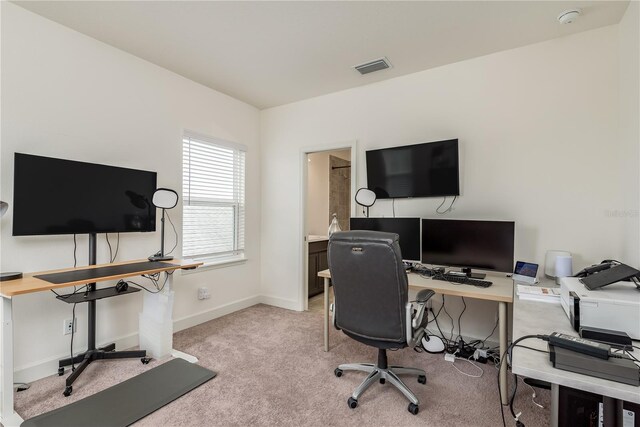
[533, 317]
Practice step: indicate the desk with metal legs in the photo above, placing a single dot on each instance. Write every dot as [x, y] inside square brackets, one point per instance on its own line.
[30, 284]
[501, 291]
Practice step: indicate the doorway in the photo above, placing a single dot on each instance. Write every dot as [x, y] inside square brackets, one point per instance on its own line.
[328, 188]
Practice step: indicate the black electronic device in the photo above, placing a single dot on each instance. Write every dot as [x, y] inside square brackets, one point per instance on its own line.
[588, 271]
[616, 339]
[57, 196]
[613, 274]
[621, 368]
[408, 230]
[580, 345]
[574, 310]
[419, 170]
[121, 286]
[485, 245]
[462, 280]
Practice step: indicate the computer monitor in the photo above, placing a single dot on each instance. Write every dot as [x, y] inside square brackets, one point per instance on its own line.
[484, 245]
[408, 230]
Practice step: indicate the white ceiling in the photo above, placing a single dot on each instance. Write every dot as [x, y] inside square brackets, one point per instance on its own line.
[273, 53]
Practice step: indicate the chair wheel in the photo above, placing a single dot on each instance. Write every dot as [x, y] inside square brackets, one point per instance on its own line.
[413, 408]
[67, 391]
[338, 372]
[382, 380]
[353, 403]
[422, 379]
[145, 360]
[60, 372]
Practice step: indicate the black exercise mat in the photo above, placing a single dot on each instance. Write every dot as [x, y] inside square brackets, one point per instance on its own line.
[129, 401]
[95, 273]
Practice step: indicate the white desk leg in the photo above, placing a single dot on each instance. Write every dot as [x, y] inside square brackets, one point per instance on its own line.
[326, 314]
[502, 319]
[8, 416]
[174, 352]
[555, 404]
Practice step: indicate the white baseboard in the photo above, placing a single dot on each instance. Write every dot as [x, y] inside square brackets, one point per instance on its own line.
[206, 315]
[289, 304]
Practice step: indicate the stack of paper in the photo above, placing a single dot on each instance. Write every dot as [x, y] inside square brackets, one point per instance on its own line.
[538, 293]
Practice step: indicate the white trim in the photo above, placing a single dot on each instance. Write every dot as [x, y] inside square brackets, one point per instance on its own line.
[195, 319]
[289, 304]
[213, 140]
[303, 290]
[215, 264]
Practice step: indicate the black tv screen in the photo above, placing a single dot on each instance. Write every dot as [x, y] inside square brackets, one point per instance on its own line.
[485, 245]
[407, 229]
[56, 196]
[420, 170]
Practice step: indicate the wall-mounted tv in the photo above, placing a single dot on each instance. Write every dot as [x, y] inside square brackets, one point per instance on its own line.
[419, 170]
[57, 196]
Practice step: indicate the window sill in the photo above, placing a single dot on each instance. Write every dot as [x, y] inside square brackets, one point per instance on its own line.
[218, 263]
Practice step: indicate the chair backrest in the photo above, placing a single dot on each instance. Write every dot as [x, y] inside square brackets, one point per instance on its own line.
[370, 285]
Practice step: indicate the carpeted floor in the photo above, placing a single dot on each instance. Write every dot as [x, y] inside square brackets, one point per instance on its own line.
[272, 371]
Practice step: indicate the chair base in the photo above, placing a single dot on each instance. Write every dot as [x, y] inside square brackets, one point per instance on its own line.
[391, 373]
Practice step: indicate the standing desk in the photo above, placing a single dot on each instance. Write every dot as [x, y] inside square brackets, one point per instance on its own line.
[30, 284]
[535, 317]
[500, 291]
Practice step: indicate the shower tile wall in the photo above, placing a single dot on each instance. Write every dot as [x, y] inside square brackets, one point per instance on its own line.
[339, 191]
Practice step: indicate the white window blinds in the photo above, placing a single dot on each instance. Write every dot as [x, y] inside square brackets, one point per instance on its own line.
[213, 198]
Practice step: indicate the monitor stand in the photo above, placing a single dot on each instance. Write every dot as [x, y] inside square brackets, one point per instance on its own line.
[468, 272]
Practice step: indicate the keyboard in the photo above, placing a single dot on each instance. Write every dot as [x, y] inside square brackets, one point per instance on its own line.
[462, 280]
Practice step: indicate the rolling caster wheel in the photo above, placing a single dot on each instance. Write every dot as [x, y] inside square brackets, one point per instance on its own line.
[60, 372]
[338, 372]
[353, 403]
[145, 360]
[67, 391]
[413, 408]
[382, 380]
[422, 379]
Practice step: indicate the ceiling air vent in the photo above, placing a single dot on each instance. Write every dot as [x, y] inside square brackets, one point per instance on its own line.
[370, 67]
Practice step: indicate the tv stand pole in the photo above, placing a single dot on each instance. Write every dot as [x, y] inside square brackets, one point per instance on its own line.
[472, 275]
[102, 353]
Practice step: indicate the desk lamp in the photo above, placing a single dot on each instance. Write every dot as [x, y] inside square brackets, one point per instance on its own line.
[11, 275]
[365, 198]
[163, 198]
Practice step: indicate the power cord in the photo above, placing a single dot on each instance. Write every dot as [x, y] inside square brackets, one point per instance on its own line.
[449, 208]
[174, 232]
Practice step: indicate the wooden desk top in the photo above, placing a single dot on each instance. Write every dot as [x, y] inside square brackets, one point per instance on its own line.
[29, 284]
[501, 290]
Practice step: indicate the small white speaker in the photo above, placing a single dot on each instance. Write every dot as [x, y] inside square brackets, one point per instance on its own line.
[564, 266]
[550, 262]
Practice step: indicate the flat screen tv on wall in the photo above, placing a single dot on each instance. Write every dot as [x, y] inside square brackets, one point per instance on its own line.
[57, 196]
[419, 170]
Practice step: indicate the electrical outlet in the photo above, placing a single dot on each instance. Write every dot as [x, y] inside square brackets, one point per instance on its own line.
[203, 293]
[68, 326]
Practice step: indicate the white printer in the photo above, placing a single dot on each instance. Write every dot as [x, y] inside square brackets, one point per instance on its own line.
[615, 307]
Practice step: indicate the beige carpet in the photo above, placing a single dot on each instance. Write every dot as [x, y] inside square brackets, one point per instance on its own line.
[272, 371]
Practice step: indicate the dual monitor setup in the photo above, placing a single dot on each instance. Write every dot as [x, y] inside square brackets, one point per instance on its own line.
[468, 244]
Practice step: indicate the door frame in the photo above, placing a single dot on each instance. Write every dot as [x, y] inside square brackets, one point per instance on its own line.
[303, 250]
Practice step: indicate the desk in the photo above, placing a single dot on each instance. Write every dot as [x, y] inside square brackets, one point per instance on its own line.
[534, 317]
[30, 284]
[501, 291]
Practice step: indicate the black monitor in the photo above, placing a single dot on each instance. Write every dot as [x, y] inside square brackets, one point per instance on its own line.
[419, 170]
[408, 230]
[484, 245]
[57, 196]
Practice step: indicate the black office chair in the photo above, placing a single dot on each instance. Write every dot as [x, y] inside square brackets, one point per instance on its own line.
[371, 305]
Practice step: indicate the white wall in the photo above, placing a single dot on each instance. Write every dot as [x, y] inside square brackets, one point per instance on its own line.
[629, 57]
[67, 95]
[318, 190]
[538, 131]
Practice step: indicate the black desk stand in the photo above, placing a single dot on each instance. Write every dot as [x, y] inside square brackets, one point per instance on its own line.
[93, 353]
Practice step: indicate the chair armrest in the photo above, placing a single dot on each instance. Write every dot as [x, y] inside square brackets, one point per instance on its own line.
[424, 295]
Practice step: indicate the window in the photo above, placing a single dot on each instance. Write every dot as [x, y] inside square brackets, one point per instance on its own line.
[213, 180]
